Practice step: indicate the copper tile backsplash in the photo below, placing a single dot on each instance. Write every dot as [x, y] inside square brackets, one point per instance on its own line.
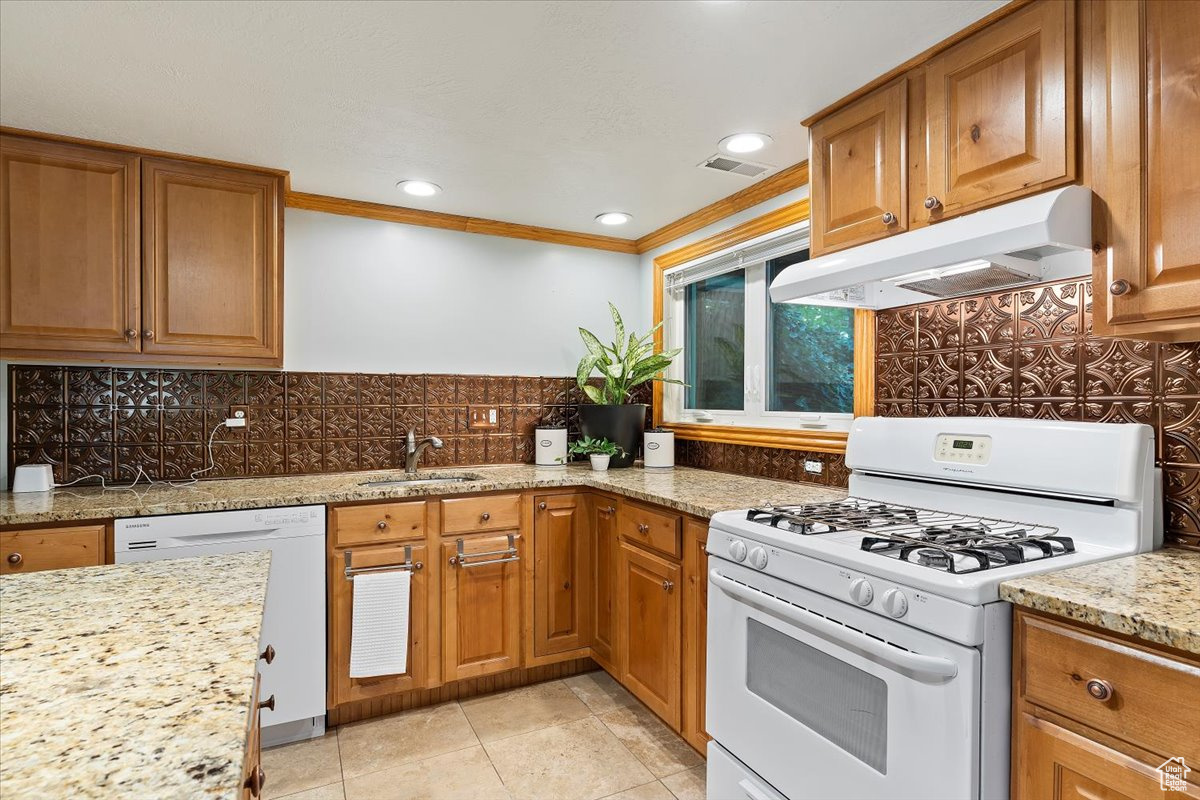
[99, 420]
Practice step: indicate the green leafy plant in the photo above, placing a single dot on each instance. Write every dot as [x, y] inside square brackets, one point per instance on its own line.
[595, 447]
[623, 364]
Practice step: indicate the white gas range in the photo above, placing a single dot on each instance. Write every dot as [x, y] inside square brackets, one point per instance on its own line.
[858, 650]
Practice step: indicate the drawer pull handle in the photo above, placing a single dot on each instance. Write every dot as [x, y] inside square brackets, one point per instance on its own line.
[256, 781]
[14, 558]
[888, 218]
[268, 655]
[1100, 690]
[542, 506]
[268, 703]
[610, 510]
[932, 202]
[643, 528]
[485, 516]
[1119, 287]
[668, 586]
[382, 525]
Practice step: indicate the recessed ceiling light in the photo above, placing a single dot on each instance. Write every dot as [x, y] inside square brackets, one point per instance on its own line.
[744, 142]
[419, 188]
[614, 218]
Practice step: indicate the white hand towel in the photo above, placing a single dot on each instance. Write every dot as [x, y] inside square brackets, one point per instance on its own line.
[379, 632]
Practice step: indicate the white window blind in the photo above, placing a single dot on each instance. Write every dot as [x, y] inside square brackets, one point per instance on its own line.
[720, 263]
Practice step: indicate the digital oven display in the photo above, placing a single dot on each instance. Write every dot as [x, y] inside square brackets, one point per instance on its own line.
[963, 444]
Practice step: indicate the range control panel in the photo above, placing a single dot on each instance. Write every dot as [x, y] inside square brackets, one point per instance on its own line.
[963, 449]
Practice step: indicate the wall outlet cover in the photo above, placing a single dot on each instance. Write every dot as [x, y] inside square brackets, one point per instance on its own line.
[483, 417]
[815, 467]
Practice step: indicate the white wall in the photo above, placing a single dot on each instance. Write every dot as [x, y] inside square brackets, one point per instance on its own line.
[369, 296]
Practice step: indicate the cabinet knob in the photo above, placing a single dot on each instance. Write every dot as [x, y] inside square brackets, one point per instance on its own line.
[1119, 287]
[1099, 689]
[932, 202]
[485, 516]
[542, 506]
[256, 781]
[643, 528]
[130, 333]
[611, 510]
[268, 655]
[382, 524]
[147, 334]
[268, 703]
[566, 586]
[888, 218]
[668, 586]
[14, 558]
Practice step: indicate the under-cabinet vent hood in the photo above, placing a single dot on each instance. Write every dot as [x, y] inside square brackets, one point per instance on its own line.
[1044, 237]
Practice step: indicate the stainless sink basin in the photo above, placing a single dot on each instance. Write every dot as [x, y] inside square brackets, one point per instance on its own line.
[416, 481]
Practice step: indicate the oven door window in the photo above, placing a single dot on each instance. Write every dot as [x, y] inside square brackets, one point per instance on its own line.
[840, 703]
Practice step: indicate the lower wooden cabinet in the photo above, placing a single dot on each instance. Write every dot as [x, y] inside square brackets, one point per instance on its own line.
[649, 625]
[604, 579]
[36, 549]
[343, 688]
[562, 579]
[695, 631]
[481, 608]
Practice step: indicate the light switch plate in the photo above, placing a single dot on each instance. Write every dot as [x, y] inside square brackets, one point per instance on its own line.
[483, 417]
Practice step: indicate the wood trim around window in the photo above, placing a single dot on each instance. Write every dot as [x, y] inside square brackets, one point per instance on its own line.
[864, 348]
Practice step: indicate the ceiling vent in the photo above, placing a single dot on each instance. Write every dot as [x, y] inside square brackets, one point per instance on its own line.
[726, 164]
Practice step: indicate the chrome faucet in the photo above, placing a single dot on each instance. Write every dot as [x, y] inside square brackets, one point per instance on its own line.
[413, 450]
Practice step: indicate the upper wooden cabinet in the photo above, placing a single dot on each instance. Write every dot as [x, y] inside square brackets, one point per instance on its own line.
[561, 574]
[211, 280]
[107, 254]
[1141, 63]
[69, 252]
[857, 164]
[1000, 111]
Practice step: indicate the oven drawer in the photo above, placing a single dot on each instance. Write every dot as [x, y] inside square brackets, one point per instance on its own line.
[1144, 698]
[649, 528]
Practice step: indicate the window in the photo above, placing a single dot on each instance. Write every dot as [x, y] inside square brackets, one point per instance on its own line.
[750, 362]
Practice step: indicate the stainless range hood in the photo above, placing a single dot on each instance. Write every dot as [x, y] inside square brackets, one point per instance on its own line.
[1044, 237]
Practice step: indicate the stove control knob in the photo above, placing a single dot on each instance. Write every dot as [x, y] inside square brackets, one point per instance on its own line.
[758, 558]
[737, 550]
[895, 603]
[862, 592]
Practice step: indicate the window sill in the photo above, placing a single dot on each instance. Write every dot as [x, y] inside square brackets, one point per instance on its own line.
[819, 441]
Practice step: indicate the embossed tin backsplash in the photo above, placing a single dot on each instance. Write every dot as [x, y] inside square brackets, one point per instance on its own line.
[98, 420]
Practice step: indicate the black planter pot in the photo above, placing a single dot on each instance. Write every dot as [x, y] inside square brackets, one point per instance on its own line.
[622, 424]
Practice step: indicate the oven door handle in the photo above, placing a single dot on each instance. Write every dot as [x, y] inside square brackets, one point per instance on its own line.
[925, 668]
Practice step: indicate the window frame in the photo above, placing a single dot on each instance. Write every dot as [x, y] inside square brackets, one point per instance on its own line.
[732, 427]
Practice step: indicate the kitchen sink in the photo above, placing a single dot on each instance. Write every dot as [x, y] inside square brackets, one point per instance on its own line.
[417, 481]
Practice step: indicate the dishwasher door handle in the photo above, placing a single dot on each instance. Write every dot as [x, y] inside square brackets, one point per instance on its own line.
[926, 668]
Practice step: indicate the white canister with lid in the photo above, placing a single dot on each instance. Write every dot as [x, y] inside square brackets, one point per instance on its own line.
[658, 449]
[550, 447]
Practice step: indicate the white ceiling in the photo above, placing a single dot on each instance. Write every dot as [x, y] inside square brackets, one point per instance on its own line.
[536, 112]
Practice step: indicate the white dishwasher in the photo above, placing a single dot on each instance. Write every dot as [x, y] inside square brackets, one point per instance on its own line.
[294, 617]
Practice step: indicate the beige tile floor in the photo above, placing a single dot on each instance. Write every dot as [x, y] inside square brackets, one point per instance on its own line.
[581, 738]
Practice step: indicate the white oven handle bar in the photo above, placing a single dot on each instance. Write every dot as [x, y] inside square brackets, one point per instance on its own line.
[752, 792]
[929, 668]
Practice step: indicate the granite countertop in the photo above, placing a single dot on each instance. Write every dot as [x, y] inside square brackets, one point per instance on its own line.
[1153, 596]
[692, 491]
[131, 680]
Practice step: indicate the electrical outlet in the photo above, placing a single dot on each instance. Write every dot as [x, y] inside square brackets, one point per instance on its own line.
[815, 467]
[239, 417]
[483, 417]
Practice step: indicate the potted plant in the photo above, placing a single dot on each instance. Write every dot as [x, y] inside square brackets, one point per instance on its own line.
[623, 365]
[598, 451]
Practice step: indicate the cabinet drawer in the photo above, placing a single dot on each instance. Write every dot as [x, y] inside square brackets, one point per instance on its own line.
[657, 530]
[1153, 697]
[51, 548]
[498, 512]
[379, 522]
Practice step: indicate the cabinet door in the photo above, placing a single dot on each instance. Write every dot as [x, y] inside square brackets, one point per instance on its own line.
[650, 630]
[1051, 762]
[561, 575]
[212, 278]
[1145, 144]
[69, 259]
[1000, 111]
[343, 688]
[857, 165]
[604, 578]
[481, 610]
[253, 776]
[695, 630]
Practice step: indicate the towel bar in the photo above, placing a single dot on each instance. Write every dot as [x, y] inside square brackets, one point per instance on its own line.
[509, 554]
[408, 564]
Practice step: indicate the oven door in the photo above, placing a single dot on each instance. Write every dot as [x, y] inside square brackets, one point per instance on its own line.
[825, 700]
